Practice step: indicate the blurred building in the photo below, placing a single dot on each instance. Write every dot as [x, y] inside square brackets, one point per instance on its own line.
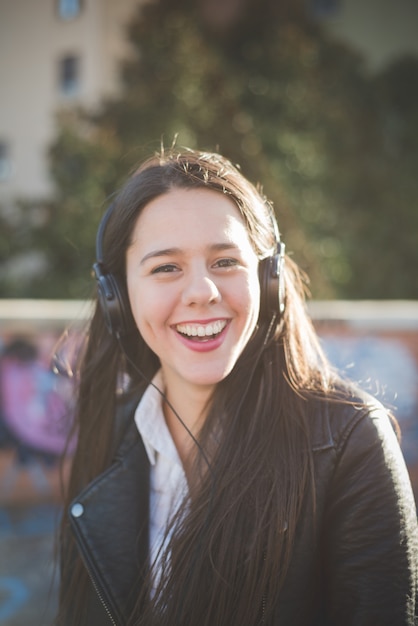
[56, 54]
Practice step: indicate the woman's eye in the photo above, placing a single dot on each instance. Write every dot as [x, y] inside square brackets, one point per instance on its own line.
[226, 263]
[164, 269]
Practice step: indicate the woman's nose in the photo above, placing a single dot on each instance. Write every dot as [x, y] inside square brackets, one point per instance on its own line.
[200, 289]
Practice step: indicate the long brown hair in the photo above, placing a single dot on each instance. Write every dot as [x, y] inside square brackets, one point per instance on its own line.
[232, 543]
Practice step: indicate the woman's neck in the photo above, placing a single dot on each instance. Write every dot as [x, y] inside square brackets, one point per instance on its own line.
[191, 407]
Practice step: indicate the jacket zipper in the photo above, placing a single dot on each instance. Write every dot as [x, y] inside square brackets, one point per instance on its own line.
[99, 595]
[95, 585]
[263, 599]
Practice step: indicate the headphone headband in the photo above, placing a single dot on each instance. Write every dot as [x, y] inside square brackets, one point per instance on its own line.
[101, 232]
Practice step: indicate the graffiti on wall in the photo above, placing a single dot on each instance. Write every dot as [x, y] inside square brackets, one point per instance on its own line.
[35, 409]
[387, 370]
[36, 404]
[35, 420]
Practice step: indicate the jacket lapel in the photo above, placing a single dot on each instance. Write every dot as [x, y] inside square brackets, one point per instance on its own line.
[110, 522]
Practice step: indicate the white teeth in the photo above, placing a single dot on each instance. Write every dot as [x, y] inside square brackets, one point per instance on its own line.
[201, 330]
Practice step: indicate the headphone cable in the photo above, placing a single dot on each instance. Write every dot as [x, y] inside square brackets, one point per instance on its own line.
[203, 530]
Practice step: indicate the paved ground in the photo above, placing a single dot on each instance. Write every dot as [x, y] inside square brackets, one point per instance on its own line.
[29, 514]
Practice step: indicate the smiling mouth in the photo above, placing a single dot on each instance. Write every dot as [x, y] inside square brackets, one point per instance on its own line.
[201, 332]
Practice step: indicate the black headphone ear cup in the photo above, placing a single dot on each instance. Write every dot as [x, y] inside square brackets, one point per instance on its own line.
[113, 303]
[271, 277]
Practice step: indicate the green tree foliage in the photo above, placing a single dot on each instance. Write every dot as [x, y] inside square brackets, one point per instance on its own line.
[58, 234]
[334, 148]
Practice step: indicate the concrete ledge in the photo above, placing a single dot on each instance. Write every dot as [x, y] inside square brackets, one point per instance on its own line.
[52, 314]
[375, 314]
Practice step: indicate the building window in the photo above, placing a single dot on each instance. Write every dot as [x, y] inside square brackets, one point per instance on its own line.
[68, 9]
[69, 75]
[5, 161]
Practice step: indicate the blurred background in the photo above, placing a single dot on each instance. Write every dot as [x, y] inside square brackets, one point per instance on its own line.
[317, 100]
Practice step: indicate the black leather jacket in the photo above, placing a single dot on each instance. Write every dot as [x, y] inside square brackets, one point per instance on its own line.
[361, 570]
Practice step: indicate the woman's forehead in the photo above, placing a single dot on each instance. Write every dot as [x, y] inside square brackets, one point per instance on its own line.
[182, 217]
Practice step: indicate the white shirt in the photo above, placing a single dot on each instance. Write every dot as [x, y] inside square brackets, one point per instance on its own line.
[168, 484]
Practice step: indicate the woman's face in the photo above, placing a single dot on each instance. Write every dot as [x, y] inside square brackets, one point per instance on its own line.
[193, 286]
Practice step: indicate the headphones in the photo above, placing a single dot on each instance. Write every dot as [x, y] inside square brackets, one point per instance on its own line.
[112, 296]
[271, 277]
[114, 302]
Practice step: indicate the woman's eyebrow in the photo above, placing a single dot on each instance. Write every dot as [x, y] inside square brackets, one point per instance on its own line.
[157, 253]
[216, 247]
[227, 245]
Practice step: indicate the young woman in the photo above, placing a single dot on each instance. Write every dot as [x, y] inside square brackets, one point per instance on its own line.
[224, 475]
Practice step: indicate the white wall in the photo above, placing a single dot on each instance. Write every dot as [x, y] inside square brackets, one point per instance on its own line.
[32, 40]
